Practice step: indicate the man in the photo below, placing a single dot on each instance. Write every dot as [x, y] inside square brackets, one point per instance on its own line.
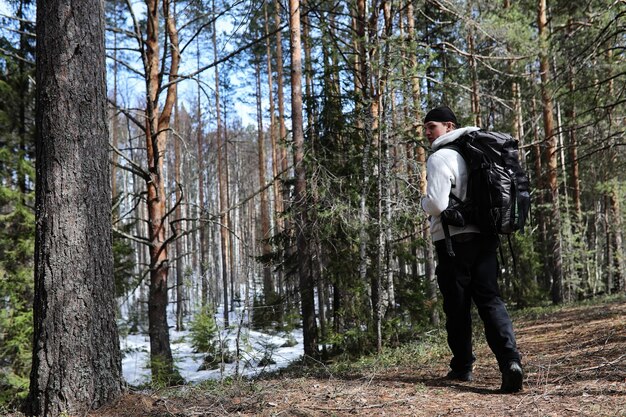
[471, 271]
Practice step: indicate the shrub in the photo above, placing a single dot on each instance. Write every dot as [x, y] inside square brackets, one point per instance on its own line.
[203, 330]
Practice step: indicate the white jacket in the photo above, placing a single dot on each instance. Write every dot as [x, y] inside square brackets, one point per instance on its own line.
[446, 172]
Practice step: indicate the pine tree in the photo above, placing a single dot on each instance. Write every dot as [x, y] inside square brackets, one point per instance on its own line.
[76, 355]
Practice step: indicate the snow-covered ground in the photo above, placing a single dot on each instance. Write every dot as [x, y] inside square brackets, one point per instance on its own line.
[253, 346]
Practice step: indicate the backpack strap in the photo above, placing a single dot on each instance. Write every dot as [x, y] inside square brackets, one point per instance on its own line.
[454, 145]
[458, 145]
[455, 198]
[446, 226]
[448, 239]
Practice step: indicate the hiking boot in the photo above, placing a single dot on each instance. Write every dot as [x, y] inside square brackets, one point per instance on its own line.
[465, 376]
[512, 377]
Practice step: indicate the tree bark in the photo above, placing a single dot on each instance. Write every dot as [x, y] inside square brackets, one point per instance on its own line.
[158, 123]
[223, 204]
[231, 215]
[307, 295]
[554, 224]
[616, 261]
[475, 96]
[76, 356]
[282, 136]
[278, 157]
[429, 251]
[266, 248]
[222, 168]
[363, 102]
[178, 214]
[540, 199]
[518, 125]
[573, 152]
[204, 285]
[276, 188]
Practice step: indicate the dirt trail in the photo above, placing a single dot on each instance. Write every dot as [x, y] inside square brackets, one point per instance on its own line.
[575, 364]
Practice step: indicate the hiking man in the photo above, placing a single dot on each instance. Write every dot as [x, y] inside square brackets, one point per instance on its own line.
[471, 271]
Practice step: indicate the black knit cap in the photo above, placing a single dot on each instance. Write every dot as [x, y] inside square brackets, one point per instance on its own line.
[441, 114]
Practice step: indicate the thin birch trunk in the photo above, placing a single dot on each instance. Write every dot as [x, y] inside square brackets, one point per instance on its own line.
[202, 226]
[178, 214]
[223, 187]
[232, 223]
[362, 95]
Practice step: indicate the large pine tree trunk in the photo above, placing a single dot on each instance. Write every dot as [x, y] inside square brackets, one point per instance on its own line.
[76, 356]
[307, 300]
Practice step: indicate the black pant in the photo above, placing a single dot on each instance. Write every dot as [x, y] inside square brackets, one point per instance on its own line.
[472, 275]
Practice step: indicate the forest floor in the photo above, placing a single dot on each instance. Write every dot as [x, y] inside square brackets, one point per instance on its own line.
[574, 360]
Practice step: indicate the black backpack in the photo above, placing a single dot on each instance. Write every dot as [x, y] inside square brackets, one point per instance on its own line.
[498, 190]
